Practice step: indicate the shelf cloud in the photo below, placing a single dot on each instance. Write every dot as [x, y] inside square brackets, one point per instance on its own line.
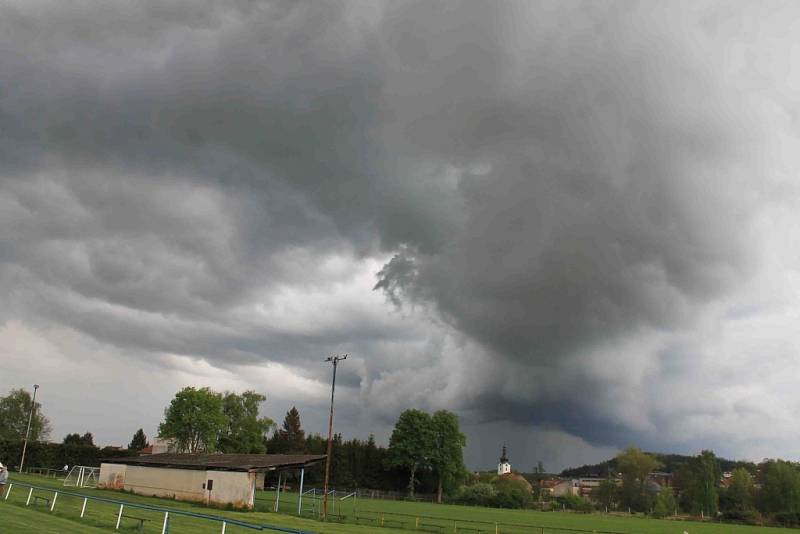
[570, 219]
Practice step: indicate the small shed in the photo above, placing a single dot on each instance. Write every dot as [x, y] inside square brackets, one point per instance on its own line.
[213, 479]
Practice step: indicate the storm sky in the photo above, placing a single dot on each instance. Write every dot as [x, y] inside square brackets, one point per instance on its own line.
[576, 224]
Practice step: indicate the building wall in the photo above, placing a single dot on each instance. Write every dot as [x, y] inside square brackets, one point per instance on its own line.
[180, 484]
[229, 487]
[566, 487]
[112, 476]
[232, 487]
[161, 445]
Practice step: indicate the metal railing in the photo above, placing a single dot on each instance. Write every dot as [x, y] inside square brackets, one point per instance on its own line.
[224, 521]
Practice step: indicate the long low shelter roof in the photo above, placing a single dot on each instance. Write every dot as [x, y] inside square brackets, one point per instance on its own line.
[222, 462]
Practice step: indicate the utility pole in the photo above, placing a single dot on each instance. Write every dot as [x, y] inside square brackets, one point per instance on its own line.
[27, 432]
[335, 361]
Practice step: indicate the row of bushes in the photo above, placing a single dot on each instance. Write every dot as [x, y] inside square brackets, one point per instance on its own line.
[56, 455]
[499, 492]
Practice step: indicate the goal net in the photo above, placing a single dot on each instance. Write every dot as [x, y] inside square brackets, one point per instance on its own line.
[82, 476]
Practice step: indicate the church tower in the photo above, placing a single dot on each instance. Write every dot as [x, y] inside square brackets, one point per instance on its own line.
[504, 466]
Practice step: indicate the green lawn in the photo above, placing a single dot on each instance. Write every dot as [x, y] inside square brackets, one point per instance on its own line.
[17, 519]
[554, 522]
[101, 517]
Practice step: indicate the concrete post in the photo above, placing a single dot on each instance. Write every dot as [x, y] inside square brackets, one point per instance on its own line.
[300, 496]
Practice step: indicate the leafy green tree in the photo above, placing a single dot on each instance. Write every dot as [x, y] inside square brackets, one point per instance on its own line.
[244, 430]
[575, 502]
[412, 443]
[665, 503]
[194, 420]
[15, 409]
[740, 495]
[606, 493]
[292, 433]
[635, 467]
[512, 492]
[699, 483]
[447, 455]
[139, 441]
[480, 494]
[780, 487]
[72, 439]
[77, 439]
[372, 463]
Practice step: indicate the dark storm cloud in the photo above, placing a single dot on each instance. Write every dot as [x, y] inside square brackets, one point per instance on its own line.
[553, 177]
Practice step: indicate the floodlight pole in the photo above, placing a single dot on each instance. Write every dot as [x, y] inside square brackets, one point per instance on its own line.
[335, 361]
[27, 432]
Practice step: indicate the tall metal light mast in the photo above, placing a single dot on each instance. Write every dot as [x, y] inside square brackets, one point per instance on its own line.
[335, 361]
[27, 432]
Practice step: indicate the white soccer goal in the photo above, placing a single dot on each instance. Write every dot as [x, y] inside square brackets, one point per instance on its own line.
[82, 476]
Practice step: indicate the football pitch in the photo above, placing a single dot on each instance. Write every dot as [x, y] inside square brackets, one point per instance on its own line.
[361, 516]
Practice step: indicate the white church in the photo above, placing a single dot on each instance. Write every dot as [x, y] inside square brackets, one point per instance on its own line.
[504, 467]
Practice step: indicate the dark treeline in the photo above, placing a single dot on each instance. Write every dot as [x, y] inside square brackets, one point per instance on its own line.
[670, 464]
[56, 455]
[355, 463]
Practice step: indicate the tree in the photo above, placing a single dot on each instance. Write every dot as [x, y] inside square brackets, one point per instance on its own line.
[15, 410]
[447, 456]
[606, 493]
[139, 441]
[480, 494]
[244, 430]
[292, 433]
[699, 483]
[740, 495]
[77, 439]
[411, 444]
[635, 467]
[512, 492]
[87, 439]
[538, 476]
[665, 504]
[194, 420]
[72, 439]
[780, 487]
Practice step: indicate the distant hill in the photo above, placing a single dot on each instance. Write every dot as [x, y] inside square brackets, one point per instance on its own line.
[671, 463]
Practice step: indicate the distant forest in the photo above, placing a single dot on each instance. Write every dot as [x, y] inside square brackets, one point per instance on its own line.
[671, 464]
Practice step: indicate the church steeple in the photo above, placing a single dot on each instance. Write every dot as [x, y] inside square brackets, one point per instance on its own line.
[504, 466]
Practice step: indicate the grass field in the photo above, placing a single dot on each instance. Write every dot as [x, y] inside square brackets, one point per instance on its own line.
[554, 522]
[101, 517]
[16, 519]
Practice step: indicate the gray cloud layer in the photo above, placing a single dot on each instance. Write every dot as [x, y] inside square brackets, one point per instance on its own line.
[566, 189]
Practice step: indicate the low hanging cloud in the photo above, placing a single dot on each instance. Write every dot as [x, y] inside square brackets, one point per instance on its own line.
[567, 204]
